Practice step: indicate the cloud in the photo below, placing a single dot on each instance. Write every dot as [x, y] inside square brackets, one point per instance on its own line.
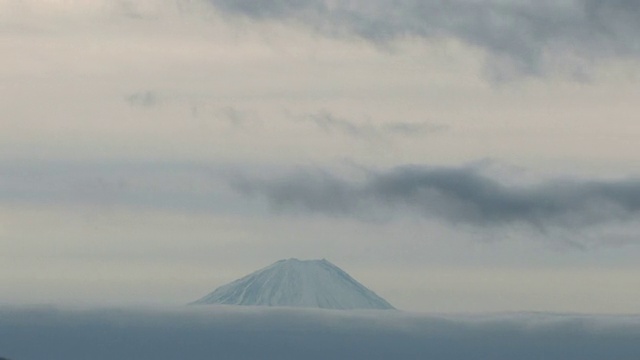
[238, 118]
[258, 333]
[412, 128]
[197, 107]
[523, 37]
[143, 99]
[331, 123]
[457, 195]
[137, 9]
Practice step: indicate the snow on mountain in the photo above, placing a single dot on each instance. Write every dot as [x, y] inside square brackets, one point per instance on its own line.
[297, 283]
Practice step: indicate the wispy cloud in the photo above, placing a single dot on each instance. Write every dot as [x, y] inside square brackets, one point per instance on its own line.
[522, 37]
[146, 99]
[331, 123]
[237, 118]
[253, 333]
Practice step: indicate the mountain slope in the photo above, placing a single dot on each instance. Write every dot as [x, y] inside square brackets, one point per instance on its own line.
[296, 283]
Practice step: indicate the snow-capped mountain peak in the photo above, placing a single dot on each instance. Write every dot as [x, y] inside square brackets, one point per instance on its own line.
[298, 283]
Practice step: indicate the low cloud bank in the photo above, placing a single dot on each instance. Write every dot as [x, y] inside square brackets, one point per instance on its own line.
[264, 333]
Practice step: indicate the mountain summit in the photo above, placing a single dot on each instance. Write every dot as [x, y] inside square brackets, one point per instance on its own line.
[297, 283]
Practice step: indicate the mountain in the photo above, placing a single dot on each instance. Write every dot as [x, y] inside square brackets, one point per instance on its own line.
[297, 283]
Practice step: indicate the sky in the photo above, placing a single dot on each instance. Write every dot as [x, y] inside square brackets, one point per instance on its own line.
[453, 156]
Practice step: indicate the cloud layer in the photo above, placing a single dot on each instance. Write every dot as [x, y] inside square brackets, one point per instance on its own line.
[231, 333]
[529, 35]
[457, 195]
[521, 37]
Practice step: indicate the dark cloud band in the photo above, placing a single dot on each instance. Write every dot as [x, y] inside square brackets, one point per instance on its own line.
[457, 195]
[524, 33]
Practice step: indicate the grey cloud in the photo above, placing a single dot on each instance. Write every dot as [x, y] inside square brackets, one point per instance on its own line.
[410, 129]
[144, 99]
[271, 8]
[331, 123]
[520, 36]
[128, 9]
[237, 118]
[237, 333]
[198, 107]
[457, 195]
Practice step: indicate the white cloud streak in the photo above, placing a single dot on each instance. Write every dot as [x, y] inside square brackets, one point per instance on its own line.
[331, 123]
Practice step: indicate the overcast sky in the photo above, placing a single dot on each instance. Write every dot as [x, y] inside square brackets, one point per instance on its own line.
[453, 156]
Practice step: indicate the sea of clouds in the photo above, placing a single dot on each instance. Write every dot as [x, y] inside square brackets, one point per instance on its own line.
[220, 332]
